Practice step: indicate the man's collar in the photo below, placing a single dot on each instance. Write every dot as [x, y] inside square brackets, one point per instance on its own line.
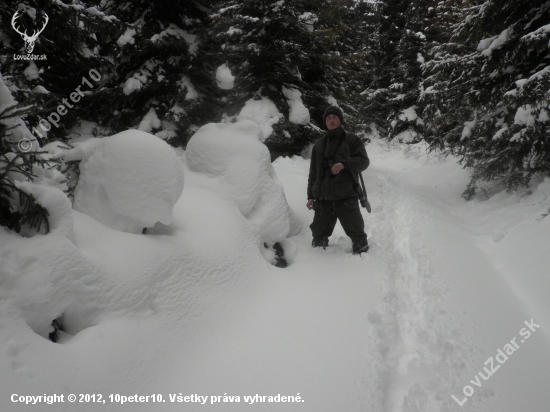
[336, 133]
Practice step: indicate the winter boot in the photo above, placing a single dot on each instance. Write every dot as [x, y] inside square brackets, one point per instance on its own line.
[320, 242]
[360, 247]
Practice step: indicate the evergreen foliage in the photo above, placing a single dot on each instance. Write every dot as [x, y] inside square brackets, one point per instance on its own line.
[471, 77]
[492, 109]
[19, 210]
[71, 52]
[398, 33]
[160, 81]
[273, 48]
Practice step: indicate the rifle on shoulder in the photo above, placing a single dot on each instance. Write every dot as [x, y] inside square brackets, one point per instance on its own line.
[359, 188]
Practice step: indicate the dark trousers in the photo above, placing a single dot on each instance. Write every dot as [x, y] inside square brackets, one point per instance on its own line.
[346, 211]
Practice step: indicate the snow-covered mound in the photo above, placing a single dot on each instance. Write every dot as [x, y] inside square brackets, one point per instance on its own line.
[299, 113]
[128, 181]
[224, 77]
[240, 163]
[262, 112]
[45, 277]
[58, 205]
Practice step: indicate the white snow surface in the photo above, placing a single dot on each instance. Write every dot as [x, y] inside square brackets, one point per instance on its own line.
[194, 308]
[496, 43]
[524, 116]
[150, 121]
[174, 31]
[409, 115]
[467, 131]
[128, 181]
[239, 166]
[263, 112]
[224, 77]
[543, 30]
[537, 76]
[485, 43]
[31, 72]
[60, 216]
[309, 19]
[331, 100]
[132, 84]
[40, 89]
[127, 37]
[186, 85]
[299, 113]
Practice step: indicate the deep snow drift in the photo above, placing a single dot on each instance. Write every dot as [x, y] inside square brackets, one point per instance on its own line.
[194, 306]
[129, 181]
[238, 166]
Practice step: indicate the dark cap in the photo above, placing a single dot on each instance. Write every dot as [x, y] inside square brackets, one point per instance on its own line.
[333, 110]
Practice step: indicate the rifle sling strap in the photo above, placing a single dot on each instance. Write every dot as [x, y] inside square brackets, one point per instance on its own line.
[355, 177]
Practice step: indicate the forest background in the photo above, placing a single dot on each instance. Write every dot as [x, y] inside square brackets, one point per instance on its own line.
[469, 77]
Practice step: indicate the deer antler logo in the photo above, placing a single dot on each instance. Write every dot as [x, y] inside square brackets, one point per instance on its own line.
[29, 40]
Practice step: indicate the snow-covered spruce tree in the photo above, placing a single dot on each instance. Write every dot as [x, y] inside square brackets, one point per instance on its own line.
[367, 74]
[159, 81]
[339, 46]
[394, 51]
[285, 54]
[405, 110]
[40, 86]
[505, 138]
[333, 60]
[19, 210]
[449, 69]
[72, 41]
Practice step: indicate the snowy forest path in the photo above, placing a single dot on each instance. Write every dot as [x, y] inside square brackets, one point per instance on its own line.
[447, 307]
[432, 327]
[414, 340]
[404, 341]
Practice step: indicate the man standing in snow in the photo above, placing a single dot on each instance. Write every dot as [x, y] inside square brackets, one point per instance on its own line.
[331, 185]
